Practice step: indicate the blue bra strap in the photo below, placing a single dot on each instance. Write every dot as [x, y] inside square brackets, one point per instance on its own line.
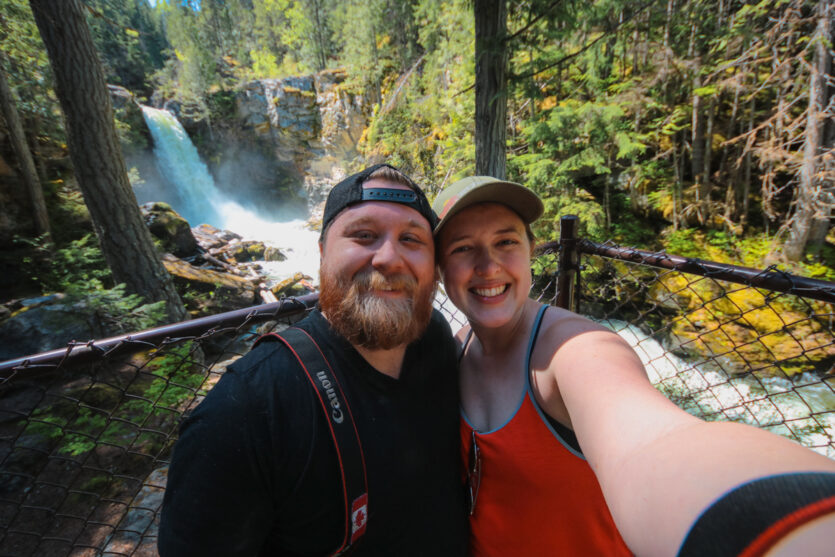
[563, 434]
[537, 323]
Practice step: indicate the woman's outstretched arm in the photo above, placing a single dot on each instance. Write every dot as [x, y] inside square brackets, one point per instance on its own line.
[660, 468]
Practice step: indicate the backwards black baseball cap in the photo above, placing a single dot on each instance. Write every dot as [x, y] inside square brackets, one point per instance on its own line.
[350, 192]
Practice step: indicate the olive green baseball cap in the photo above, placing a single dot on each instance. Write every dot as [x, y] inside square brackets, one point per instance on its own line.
[486, 189]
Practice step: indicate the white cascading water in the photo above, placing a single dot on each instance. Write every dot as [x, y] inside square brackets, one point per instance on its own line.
[203, 203]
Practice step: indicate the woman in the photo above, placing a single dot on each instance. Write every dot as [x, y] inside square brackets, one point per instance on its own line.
[561, 427]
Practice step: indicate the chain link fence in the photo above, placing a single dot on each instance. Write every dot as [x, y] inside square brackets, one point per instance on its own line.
[86, 431]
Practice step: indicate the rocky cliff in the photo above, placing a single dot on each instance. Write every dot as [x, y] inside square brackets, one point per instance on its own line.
[279, 142]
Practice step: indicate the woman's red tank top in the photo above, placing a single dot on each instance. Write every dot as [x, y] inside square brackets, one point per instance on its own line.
[536, 495]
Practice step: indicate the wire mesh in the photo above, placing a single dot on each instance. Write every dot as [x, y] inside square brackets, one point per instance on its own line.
[721, 350]
[84, 447]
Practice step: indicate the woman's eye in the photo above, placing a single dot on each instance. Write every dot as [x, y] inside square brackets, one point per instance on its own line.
[460, 249]
[508, 242]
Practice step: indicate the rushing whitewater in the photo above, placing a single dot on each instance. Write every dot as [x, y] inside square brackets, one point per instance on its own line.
[202, 202]
[790, 408]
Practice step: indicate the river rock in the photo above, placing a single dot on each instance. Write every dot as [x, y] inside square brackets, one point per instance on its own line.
[297, 284]
[209, 237]
[274, 254]
[170, 228]
[247, 251]
[46, 327]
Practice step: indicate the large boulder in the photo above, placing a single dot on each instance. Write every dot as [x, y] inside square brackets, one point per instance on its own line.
[47, 327]
[172, 230]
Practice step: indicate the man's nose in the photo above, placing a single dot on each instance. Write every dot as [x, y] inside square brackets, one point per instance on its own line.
[387, 256]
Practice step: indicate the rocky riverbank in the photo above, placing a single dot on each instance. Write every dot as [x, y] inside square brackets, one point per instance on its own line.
[214, 271]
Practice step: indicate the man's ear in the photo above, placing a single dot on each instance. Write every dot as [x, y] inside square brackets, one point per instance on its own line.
[437, 273]
[321, 247]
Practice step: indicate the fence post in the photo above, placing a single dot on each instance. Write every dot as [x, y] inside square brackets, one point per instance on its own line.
[568, 262]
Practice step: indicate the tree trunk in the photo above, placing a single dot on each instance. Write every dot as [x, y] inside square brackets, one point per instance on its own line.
[745, 195]
[706, 183]
[821, 224]
[635, 60]
[667, 50]
[23, 154]
[808, 197]
[676, 183]
[34, 125]
[490, 87]
[697, 141]
[96, 156]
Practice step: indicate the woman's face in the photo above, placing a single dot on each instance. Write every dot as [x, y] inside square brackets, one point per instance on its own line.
[484, 256]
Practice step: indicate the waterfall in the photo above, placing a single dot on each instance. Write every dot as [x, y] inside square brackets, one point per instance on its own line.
[202, 202]
[180, 163]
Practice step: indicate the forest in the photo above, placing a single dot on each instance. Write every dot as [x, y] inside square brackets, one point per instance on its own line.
[166, 161]
[703, 127]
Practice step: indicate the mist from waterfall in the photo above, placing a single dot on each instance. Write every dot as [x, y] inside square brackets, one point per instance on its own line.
[201, 202]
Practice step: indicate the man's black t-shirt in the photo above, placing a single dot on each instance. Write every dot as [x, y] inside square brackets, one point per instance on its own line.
[255, 471]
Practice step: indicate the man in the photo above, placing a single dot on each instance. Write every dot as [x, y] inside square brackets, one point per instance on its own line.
[256, 472]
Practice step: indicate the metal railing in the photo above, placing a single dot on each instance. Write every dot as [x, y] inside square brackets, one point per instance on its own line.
[86, 431]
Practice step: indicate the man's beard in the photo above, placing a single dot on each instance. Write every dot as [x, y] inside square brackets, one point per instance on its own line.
[371, 321]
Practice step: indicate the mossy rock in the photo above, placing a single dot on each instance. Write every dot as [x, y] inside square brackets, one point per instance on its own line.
[271, 254]
[172, 230]
[247, 251]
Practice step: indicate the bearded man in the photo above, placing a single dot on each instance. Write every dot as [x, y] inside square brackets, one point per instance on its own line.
[256, 470]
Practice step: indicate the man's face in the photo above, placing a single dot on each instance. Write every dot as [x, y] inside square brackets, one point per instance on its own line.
[377, 274]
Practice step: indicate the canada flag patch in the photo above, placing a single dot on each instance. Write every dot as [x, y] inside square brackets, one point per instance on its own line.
[359, 516]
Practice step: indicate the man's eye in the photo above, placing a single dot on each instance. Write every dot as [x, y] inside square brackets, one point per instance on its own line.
[412, 239]
[460, 249]
[508, 242]
[363, 235]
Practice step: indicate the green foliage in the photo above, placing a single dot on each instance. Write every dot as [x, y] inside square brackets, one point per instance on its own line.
[581, 204]
[129, 38]
[151, 403]
[682, 242]
[79, 270]
[574, 140]
[27, 68]
[264, 64]
[79, 264]
[424, 125]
